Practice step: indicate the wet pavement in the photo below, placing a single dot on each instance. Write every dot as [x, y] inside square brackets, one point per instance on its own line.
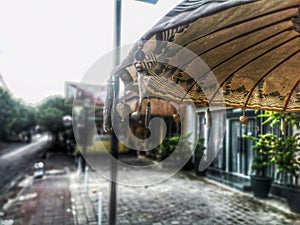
[183, 199]
[66, 196]
[45, 200]
[16, 160]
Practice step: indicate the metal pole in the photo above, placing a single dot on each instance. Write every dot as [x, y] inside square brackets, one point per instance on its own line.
[86, 179]
[85, 141]
[114, 140]
[99, 208]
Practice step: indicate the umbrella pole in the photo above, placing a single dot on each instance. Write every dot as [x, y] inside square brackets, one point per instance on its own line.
[114, 140]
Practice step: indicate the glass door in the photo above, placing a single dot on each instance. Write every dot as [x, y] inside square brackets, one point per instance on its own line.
[239, 152]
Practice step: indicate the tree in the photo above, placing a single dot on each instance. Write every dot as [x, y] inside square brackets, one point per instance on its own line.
[6, 106]
[15, 116]
[51, 119]
[51, 112]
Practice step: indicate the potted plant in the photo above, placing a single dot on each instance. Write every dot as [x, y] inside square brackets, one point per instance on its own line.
[184, 145]
[287, 155]
[169, 145]
[288, 161]
[198, 154]
[264, 156]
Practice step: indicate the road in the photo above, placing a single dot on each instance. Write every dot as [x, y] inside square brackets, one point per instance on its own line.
[17, 159]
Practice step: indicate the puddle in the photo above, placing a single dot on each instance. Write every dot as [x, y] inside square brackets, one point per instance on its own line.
[28, 196]
[55, 172]
[25, 182]
[6, 222]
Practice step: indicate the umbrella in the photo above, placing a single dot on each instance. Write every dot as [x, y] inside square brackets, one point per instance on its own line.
[251, 46]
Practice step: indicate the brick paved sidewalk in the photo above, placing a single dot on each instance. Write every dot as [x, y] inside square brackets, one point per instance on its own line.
[63, 197]
[44, 201]
[183, 199]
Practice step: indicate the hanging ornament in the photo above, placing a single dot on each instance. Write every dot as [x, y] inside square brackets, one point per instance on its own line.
[243, 118]
[107, 124]
[208, 118]
[176, 117]
[143, 82]
[123, 110]
[148, 114]
[282, 125]
[135, 116]
[143, 79]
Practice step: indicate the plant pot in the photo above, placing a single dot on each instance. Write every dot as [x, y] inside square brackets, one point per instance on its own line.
[200, 173]
[189, 165]
[292, 196]
[276, 189]
[261, 186]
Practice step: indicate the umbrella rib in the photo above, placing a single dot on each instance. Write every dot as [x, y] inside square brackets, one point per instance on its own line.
[192, 17]
[290, 95]
[252, 60]
[245, 21]
[261, 41]
[272, 69]
[247, 33]
[291, 39]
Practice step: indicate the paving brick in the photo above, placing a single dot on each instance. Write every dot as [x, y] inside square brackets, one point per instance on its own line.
[46, 201]
[181, 200]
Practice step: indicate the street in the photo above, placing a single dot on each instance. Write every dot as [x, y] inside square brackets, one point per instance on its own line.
[66, 196]
[17, 159]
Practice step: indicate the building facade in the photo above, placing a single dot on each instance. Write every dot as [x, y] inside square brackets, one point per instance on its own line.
[232, 165]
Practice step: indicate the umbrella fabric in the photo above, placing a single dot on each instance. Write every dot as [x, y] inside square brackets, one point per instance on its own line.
[251, 46]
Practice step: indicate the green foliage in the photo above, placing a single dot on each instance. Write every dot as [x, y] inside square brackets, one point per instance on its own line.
[282, 151]
[51, 119]
[264, 154]
[17, 117]
[50, 113]
[169, 145]
[14, 115]
[277, 118]
[199, 150]
[288, 156]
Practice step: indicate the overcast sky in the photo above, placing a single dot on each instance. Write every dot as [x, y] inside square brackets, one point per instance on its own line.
[44, 43]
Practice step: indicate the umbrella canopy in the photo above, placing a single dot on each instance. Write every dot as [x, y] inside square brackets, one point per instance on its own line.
[251, 46]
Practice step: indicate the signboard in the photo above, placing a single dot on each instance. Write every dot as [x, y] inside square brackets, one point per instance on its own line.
[78, 94]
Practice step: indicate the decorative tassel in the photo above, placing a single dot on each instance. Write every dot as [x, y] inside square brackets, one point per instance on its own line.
[107, 124]
[143, 82]
[123, 110]
[148, 114]
[208, 118]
